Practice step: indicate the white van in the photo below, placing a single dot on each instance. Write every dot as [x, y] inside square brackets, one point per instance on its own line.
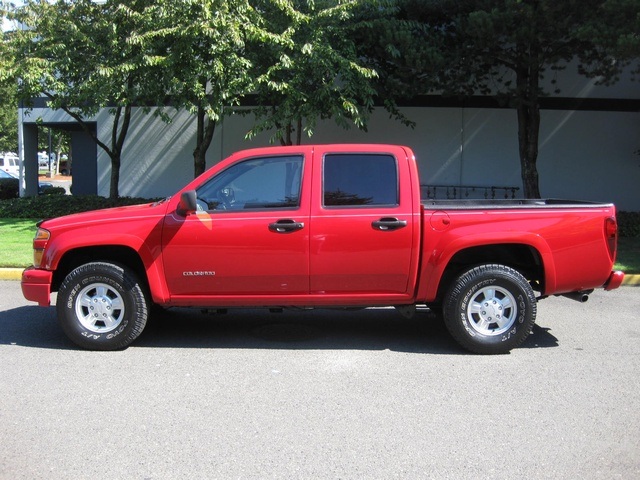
[43, 161]
[10, 163]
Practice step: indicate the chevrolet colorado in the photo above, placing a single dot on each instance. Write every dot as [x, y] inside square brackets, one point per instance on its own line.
[321, 226]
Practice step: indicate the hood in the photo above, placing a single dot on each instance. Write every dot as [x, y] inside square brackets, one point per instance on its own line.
[107, 215]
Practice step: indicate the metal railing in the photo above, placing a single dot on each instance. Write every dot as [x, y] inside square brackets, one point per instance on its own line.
[450, 192]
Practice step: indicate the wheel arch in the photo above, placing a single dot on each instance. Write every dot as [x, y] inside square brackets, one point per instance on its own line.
[117, 254]
[521, 257]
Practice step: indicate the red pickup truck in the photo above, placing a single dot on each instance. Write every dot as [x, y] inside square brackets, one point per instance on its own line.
[321, 226]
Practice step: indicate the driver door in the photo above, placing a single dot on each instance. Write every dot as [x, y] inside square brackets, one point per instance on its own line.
[250, 236]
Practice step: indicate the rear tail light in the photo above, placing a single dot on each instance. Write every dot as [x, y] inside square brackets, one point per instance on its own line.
[611, 236]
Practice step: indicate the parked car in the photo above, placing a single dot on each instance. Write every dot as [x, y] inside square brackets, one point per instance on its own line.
[9, 186]
[43, 161]
[42, 186]
[10, 163]
[65, 165]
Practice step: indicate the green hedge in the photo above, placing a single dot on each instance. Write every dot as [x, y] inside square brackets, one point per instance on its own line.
[51, 206]
[55, 205]
[8, 188]
[629, 224]
[54, 191]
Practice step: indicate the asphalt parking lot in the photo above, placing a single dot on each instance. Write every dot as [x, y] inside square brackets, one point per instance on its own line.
[322, 394]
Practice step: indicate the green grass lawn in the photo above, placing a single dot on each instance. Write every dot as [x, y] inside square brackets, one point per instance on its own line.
[628, 255]
[16, 237]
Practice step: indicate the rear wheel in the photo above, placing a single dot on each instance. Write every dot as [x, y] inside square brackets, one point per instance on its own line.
[490, 309]
[102, 306]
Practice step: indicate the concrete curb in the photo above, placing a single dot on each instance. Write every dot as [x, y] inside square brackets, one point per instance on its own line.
[11, 273]
[16, 274]
[632, 280]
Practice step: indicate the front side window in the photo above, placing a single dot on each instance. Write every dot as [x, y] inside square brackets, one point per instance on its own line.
[258, 184]
[360, 180]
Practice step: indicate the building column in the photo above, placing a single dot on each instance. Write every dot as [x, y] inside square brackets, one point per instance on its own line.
[30, 159]
[85, 164]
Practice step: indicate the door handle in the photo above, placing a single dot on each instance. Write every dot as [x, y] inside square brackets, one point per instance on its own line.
[388, 223]
[285, 226]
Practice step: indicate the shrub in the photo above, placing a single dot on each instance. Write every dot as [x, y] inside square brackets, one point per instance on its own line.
[54, 191]
[51, 206]
[629, 224]
[8, 188]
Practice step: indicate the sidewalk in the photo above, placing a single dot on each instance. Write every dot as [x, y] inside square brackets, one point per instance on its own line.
[16, 274]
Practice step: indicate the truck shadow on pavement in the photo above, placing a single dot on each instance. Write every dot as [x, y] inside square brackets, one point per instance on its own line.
[372, 329]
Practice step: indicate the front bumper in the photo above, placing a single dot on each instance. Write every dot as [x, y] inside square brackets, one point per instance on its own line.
[36, 286]
[614, 281]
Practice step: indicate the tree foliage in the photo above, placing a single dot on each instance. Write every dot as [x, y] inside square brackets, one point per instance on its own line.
[79, 55]
[206, 70]
[504, 48]
[314, 72]
[8, 118]
[306, 60]
[406, 53]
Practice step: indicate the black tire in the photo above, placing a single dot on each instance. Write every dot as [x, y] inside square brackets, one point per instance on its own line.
[102, 306]
[490, 309]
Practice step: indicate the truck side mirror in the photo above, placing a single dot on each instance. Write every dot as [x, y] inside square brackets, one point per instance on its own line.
[187, 203]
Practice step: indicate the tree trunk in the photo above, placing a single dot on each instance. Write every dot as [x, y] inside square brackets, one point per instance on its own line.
[528, 133]
[115, 175]
[118, 136]
[299, 132]
[287, 139]
[528, 108]
[204, 135]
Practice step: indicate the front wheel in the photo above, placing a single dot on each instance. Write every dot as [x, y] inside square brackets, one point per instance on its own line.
[102, 306]
[490, 309]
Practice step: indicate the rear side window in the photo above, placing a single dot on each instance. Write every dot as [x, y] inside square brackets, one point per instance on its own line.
[360, 180]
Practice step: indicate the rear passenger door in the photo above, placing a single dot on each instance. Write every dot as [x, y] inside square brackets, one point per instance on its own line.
[363, 231]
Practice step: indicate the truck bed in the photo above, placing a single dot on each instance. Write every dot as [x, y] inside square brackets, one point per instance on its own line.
[472, 204]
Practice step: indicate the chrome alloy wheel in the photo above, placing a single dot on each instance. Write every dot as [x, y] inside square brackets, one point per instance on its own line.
[99, 308]
[492, 311]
